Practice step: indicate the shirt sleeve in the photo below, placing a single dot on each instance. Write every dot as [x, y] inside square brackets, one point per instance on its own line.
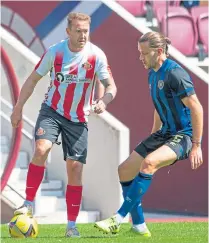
[103, 70]
[181, 83]
[45, 64]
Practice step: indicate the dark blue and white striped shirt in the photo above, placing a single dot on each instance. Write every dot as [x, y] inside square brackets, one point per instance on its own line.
[168, 86]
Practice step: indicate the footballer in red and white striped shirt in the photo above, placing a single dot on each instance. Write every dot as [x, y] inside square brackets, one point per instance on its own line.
[74, 64]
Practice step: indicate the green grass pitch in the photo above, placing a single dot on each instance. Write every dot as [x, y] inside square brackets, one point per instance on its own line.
[196, 232]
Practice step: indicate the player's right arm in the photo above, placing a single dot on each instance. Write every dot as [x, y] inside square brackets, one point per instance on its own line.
[157, 122]
[41, 69]
[25, 93]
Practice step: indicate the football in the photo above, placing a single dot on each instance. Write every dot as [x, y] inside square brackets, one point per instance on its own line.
[23, 226]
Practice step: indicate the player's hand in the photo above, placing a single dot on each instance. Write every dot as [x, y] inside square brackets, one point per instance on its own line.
[99, 106]
[196, 156]
[16, 116]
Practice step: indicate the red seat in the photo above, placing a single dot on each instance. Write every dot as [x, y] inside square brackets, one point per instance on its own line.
[197, 11]
[182, 32]
[137, 8]
[202, 26]
[160, 12]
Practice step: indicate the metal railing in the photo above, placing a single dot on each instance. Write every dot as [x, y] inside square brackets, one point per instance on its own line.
[16, 135]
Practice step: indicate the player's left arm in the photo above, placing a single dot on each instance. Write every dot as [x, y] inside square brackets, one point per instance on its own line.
[105, 76]
[110, 89]
[196, 110]
[109, 94]
[182, 85]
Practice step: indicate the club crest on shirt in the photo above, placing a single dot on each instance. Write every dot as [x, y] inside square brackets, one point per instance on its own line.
[160, 84]
[40, 131]
[87, 66]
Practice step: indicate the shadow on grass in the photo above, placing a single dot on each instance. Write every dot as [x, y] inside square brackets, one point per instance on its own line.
[82, 237]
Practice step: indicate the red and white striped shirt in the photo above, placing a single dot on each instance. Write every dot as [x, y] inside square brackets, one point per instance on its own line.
[72, 78]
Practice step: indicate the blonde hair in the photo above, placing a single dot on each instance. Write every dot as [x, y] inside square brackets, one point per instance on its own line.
[78, 16]
[156, 40]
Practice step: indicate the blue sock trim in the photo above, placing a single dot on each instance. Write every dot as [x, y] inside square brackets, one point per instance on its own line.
[126, 183]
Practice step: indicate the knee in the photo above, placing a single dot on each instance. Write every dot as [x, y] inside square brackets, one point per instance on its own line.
[74, 172]
[77, 167]
[41, 150]
[148, 165]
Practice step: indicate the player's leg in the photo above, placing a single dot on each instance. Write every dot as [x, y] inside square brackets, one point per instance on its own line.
[73, 195]
[128, 171]
[74, 139]
[138, 187]
[175, 148]
[161, 157]
[46, 133]
[179, 145]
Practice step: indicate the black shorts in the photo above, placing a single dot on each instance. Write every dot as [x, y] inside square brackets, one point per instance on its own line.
[181, 144]
[74, 135]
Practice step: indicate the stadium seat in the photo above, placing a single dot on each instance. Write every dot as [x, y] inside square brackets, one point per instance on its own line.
[159, 5]
[162, 4]
[182, 31]
[137, 8]
[197, 11]
[160, 12]
[202, 26]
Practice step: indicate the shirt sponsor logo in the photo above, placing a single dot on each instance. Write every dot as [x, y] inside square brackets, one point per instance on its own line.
[71, 78]
[60, 77]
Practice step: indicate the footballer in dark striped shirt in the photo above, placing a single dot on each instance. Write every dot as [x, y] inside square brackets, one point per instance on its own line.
[176, 133]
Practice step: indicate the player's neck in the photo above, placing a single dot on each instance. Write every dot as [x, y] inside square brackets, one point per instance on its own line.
[159, 64]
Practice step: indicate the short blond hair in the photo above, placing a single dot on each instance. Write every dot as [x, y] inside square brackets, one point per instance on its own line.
[78, 16]
[156, 40]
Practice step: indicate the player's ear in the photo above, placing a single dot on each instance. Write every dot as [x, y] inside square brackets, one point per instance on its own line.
[68, 31]
[160, 51]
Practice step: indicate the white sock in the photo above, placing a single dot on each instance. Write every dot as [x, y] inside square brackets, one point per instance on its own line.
[119, 218]
[141, 227]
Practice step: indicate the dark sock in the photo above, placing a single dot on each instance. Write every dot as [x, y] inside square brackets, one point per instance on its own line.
[137, 189]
